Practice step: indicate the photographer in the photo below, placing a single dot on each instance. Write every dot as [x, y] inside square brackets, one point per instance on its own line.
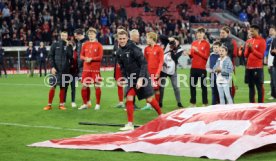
[172, 52]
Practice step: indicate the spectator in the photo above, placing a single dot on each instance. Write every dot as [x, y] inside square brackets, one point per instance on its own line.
[2, 61]
[243, 16]
[31, 54]
[104, 20]
[42, 58]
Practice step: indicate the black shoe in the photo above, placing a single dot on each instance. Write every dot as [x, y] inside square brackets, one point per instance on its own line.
[180, 105]
[161, 105]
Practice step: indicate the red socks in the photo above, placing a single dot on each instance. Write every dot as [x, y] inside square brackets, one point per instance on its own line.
[61, 95]
[98, 95]
[157, 97]
[88, 93]
[156, 106]
[130, 110]
[84, 93]
[51, 95]
[121, 93]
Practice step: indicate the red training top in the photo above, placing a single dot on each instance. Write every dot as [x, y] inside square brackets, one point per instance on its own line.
[200, 58]
[155, 58]
[255, 54]
[92, 50]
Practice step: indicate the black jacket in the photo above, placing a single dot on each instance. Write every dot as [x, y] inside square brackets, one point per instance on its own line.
[60, 57]
[42, 54]
[133, 62]
[273, 46]
[1, 55]
[228, 42]
[175, 53]
[115, 48]
[31, 54]
[80, 61]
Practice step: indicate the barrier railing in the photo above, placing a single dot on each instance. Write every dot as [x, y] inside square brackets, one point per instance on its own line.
[15, 58]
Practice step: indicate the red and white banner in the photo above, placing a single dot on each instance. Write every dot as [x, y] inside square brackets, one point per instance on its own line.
[217, 132]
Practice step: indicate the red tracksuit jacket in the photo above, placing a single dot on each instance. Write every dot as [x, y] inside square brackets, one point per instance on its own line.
[92, 50]
[200, 58]
[155, 58]
[255, 55]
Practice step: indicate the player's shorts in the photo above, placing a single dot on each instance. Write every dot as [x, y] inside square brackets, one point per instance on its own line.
[155, 82]
[131, 92]
[91, 77]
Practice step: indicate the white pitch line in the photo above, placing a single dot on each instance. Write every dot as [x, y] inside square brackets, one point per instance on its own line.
[50, 127]
[41, 85]
[15, 84]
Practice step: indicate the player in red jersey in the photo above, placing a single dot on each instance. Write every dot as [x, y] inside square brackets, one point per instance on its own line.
[154, 55]
[91, 53]
[254, 75]
[199, 53]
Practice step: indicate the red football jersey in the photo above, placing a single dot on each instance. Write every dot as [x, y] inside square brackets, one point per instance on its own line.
[92, 50]
[200, 58]
[155, 58]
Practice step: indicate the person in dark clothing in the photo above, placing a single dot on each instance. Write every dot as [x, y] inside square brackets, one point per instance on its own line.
[31, 55]
[172, 52]
[74, 74]
[227, 41]
[134, 69]
[2, 61]
[60, 57]
[117, 71]
[81, 39]
[211, 62]
[42, 58]
[273, 53]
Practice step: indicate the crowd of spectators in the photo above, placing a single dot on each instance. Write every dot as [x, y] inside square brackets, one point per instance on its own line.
[258, 12]
[38, 20]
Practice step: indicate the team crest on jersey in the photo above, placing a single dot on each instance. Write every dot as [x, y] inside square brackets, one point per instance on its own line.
[202, 48]
[95, 50]
[257, 46]
[154, 53]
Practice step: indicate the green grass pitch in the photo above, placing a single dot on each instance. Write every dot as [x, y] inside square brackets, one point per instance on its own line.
[23, 121]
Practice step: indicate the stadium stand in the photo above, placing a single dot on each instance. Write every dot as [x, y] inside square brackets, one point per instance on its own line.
[41, 20]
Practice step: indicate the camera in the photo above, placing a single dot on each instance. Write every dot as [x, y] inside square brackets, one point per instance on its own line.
[172, 44]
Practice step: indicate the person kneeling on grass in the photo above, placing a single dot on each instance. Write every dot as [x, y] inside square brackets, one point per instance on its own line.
[60, 56]
[134, 68]
[223, 69]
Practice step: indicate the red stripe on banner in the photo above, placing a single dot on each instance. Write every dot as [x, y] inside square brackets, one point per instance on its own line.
[217, 132]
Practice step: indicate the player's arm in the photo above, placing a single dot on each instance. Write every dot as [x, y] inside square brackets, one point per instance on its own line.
[259, 53]
[82, 53]
[52, 58]
[273, 47]
[138, 55]
[203, 54]
[246, 49]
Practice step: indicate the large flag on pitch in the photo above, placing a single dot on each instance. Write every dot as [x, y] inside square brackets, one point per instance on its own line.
[217, 132]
